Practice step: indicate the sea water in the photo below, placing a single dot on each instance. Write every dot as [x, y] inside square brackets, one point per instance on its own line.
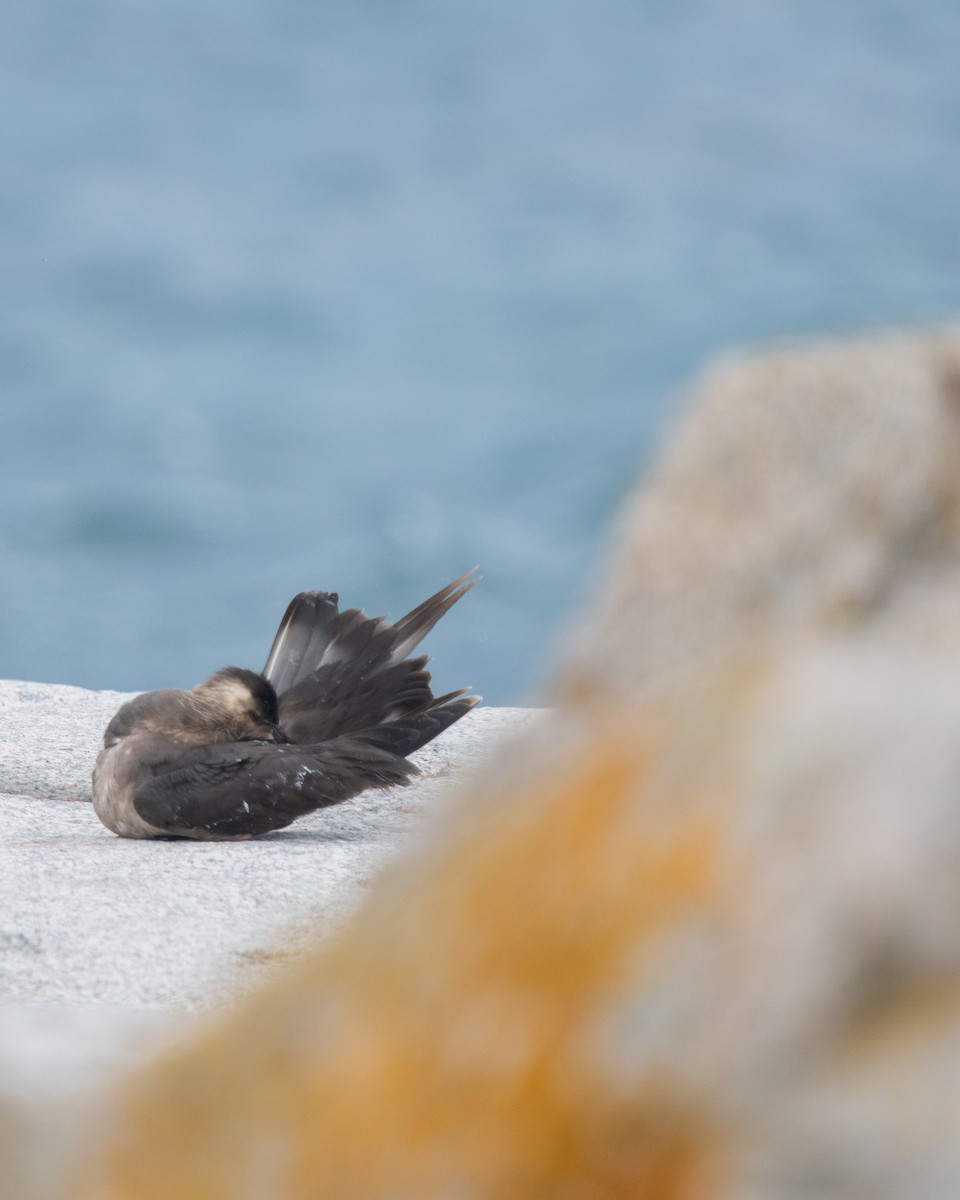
[298, 294]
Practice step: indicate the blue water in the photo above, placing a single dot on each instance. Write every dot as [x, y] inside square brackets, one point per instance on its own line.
[300, 294]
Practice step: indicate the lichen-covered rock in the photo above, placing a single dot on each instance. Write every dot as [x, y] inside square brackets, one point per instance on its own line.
[697, 937]
[806, 489]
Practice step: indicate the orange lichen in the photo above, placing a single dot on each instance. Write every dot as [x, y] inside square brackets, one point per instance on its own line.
[436, 1050]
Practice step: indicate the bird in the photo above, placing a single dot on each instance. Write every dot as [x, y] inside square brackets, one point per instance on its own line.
[338, 708]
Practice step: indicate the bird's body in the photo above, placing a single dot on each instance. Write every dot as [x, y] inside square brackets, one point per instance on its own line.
[337, 709]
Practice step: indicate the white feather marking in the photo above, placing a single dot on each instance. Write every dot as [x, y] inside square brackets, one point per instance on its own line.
[301, 775]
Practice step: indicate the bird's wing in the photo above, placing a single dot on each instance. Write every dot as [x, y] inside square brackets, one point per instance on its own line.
[306, 630]
[241, 789]
[341, 673]
[407, 734]
[410, 630]
[314, 634]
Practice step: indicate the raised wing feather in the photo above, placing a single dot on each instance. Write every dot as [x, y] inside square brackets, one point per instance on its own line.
[339, 673]
[304, 633]
[314, 633]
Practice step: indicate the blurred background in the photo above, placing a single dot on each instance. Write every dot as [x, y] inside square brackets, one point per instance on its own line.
[299, 294]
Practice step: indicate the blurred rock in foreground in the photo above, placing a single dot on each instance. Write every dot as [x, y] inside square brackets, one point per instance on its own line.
[698, 936]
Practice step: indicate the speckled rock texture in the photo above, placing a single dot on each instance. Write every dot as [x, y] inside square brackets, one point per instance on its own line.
[695, 935]
[109, 949]
[87, 918]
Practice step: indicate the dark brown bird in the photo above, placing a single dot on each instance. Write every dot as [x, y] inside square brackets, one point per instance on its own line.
[336, 710]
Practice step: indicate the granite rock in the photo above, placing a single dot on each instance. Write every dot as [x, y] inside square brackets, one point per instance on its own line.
[110, 949]
[50, 736]
[87, 918]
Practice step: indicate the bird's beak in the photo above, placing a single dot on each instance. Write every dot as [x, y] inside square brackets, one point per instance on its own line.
[278, 734]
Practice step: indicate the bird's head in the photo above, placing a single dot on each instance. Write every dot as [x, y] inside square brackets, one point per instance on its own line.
[246, 702]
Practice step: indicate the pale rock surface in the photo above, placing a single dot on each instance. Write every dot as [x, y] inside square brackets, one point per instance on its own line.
[109, 947]
[87, 918]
